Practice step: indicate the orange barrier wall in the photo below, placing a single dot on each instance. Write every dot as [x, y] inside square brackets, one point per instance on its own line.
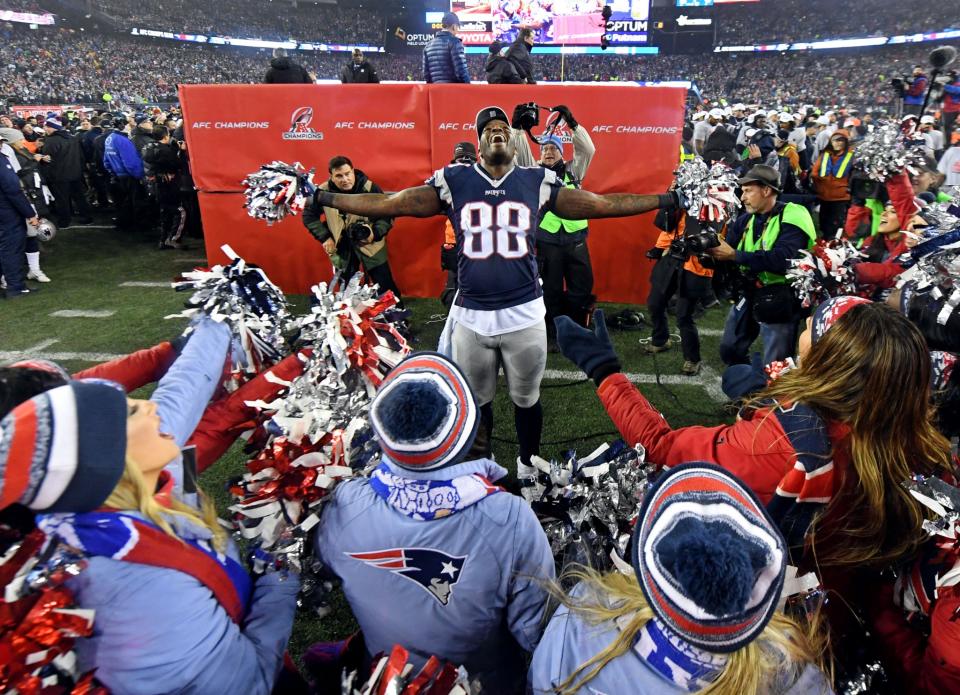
[398, 134]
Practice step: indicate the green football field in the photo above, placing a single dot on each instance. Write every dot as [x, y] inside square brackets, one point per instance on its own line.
[110, 293]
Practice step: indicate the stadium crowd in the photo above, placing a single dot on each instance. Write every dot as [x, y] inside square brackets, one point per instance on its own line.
[814, 20]
[247, 19]
[810, 545]
[143, 70]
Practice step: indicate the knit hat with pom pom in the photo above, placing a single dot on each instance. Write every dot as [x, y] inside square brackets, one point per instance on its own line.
[425, 415]
[709, 559]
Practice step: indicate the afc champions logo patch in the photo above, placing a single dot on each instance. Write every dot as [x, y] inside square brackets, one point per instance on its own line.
[300, 128]
[432, 570]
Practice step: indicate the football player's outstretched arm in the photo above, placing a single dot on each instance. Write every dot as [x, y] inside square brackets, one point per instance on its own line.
[420, 201]
[574, 204]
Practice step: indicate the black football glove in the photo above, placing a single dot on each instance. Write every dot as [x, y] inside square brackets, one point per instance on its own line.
[567, 116]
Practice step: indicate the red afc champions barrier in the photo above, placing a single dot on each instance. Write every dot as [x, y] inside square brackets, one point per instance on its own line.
[398, 134]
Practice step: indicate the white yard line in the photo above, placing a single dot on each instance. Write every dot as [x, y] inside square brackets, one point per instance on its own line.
[14, 356]
[83, 313]
[139, 283]
[707, 380]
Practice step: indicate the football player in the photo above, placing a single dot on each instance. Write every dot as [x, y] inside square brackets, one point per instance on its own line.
[497, 317]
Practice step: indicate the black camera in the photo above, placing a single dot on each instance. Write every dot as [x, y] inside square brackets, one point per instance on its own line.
[527, 116]
[696, 240]
[899, 86]
[358, 233]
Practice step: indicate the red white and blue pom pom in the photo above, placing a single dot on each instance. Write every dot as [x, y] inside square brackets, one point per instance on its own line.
[278, 189]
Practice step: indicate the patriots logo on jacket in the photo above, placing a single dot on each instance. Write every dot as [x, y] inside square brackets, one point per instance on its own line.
[433, 570]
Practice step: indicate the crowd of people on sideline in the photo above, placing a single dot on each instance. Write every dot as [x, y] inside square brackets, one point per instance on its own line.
[133, 165]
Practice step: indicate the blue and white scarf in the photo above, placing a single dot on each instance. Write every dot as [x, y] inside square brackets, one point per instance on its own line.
[426, 500]
[683, 664]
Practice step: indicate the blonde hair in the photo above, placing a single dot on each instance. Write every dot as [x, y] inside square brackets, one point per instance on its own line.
[132, 493]
[784, 643]
[870, 371]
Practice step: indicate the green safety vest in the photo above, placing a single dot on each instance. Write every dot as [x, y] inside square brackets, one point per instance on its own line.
[841, 170]
[876, 209]
[793, 214]
[684, 155]
[551, 223]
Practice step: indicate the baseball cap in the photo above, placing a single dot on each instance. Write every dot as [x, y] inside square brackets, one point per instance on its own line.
[716, 113]
[11, 135]
[450, 19]
[487, 114]
[823, 120]
[699, 115]
[762, 174]
[928, 119]
[739, 107]
[786, 118]
[464, 150]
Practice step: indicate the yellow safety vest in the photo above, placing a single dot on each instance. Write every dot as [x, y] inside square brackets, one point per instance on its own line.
[686, 156]
[841, 170]
[551, 223]
[792, 214]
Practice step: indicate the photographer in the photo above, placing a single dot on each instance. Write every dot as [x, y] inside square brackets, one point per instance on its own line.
[350, 240]
[682, 272]
[916, 88]
[561, 244]
[762, 242]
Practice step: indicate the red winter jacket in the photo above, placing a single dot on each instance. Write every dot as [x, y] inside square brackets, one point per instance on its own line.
[882, 274]
[758, 451]
[918, 664]
[224, 420]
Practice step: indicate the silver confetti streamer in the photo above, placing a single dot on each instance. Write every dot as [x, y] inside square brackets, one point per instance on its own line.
[885, 152]
[588, 507]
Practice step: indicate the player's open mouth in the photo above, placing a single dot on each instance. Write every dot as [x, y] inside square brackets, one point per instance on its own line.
[498, 138]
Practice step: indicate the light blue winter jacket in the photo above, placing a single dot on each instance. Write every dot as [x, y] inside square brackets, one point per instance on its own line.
[159, 630]
[570, 641]
[494, 611]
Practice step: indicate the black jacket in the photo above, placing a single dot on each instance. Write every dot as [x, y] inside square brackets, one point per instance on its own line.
[519, 55]
[362, 73]
[501, 71]
[161, 160]
[66, 157]
[99, 145]
[140, 139]
[86, 142]
[285, 71]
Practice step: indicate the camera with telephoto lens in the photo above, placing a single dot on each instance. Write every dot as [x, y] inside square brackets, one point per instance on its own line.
[358, 232]
[697, 238]
[528, 115]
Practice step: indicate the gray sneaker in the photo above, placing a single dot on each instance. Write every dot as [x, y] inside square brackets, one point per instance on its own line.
[690, 368]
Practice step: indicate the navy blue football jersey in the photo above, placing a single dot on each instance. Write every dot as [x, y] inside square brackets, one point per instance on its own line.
[495, 224]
